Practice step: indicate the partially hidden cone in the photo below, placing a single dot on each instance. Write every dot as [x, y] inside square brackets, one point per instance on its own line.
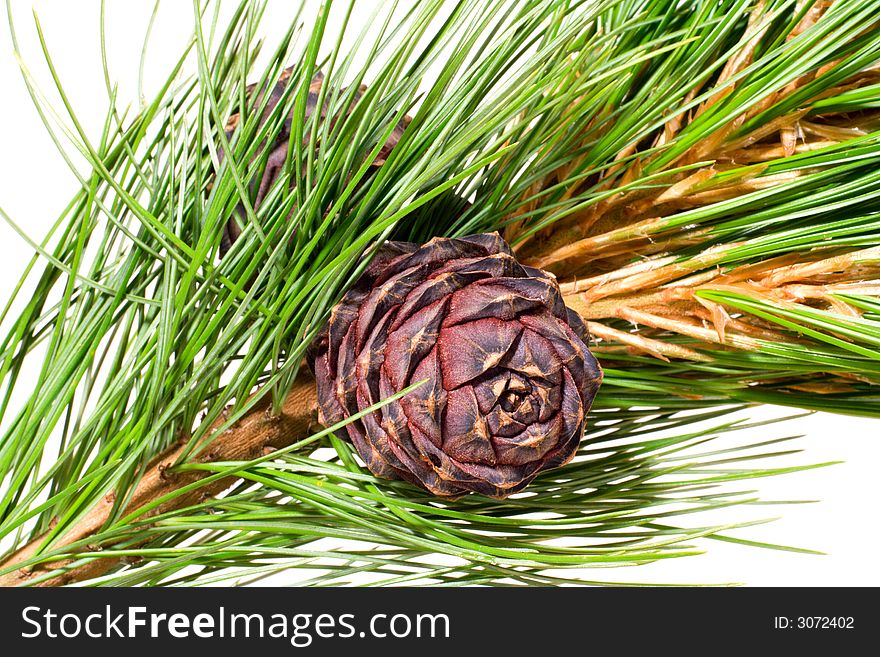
[262, 181]
[508, 375]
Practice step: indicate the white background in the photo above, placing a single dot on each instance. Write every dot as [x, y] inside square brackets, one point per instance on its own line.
[35, 185]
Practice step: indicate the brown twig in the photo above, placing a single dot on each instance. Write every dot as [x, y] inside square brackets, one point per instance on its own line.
[256, 432]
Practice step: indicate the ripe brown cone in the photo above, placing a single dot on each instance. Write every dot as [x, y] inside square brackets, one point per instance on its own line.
[508, 376]
[261, 184]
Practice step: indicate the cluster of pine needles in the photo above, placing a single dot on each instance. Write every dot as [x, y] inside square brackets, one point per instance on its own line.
[703, 177]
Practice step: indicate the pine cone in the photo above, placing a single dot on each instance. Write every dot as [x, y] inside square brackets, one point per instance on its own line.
[509, 378]
[260, 185]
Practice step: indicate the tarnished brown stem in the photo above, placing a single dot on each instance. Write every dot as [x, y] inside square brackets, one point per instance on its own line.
[259, 430]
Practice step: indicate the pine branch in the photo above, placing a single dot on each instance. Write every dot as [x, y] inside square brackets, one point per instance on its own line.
[707, 171]
[739, 222]
[162, 489]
